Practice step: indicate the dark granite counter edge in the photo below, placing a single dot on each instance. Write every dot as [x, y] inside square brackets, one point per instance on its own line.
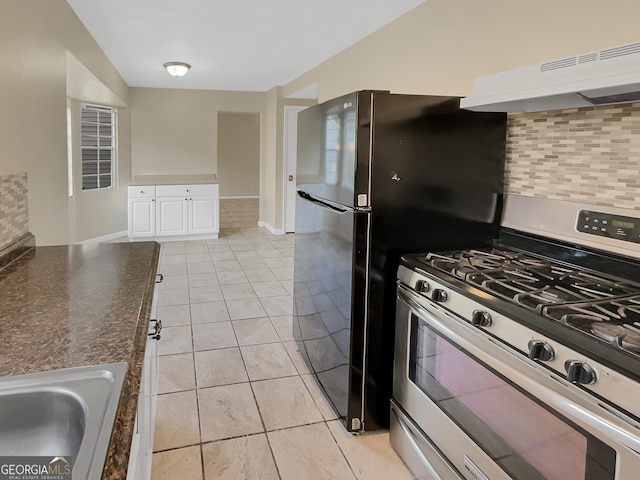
[117, 459]
[14, 250]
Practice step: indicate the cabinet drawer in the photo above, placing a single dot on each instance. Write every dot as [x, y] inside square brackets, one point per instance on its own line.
[204, 189]
[142, 191]
[180, 190]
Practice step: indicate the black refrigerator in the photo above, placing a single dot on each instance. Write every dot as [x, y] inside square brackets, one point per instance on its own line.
[379, 175]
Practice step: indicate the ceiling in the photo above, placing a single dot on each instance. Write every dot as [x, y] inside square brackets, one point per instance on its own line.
[243, 45]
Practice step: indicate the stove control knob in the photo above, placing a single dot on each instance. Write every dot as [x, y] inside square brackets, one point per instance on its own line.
[439, 296]
[542, 351]
[480, 318]
[422, 286]
[579, 372]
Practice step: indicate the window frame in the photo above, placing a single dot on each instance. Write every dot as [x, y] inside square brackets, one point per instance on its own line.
[98, 147]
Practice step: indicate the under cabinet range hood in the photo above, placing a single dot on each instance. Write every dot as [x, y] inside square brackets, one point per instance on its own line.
[602, 77]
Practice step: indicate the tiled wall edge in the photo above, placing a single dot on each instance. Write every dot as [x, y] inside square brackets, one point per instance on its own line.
[14, 214]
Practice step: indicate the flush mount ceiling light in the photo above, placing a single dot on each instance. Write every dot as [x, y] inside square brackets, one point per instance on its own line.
[177, 69]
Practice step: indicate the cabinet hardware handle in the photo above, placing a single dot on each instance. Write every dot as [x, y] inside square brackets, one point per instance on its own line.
[158, 325]
[160, 278]
[157, 328]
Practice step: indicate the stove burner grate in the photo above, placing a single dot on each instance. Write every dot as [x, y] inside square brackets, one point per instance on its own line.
[597, 305]
[621, 335]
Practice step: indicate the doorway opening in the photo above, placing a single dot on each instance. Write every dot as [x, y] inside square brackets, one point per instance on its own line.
[239, 168]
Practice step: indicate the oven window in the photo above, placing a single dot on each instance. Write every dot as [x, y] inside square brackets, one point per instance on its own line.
[523, 436]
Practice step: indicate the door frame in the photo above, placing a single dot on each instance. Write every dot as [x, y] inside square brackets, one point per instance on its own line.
[289, 142]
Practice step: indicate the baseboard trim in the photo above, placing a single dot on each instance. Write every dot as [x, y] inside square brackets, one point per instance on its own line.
[176, 238]
[104, 238]
[279, 231]
[239, 197]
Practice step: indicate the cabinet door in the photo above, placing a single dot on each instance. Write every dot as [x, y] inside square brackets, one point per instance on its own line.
[142, 217]
[203, 214]
[171, 216]
[147, 409]
[141, 454]
[133, 470]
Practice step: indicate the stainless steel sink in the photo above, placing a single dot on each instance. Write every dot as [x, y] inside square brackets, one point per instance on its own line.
[64, 413]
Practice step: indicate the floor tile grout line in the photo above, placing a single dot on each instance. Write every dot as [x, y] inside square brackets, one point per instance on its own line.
[195, 379]
[264, 425]
[264, 432]
[344, 455]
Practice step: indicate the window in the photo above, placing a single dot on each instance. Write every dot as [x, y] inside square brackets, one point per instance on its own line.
[340, 148]
[332, 148]
[98, 131]
[349, 148]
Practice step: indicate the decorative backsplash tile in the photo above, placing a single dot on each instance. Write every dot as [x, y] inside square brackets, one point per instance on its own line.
[587, 155]
[14, 218]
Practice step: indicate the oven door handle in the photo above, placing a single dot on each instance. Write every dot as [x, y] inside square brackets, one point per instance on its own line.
[565, 398]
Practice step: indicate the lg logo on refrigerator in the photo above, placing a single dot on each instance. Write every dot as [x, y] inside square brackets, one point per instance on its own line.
[347, 105]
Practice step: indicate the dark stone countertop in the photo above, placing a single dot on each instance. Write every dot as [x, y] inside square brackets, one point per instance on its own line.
[71, 306]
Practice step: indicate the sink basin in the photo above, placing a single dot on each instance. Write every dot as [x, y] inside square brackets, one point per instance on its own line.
[62, 413]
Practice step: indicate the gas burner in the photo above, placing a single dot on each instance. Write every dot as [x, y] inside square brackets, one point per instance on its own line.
[522, 278]
[620, 309]
[468, 262]
[618, 335]
[593, 303]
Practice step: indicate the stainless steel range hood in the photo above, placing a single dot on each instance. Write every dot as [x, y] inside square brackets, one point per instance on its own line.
[596, 78]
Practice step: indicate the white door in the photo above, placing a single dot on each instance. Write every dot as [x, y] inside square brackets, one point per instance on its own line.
[290, 146]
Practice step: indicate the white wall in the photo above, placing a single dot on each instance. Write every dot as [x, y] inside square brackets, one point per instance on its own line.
[442, 45]
[174, 132]
[98, 213]
[35, 36]
[272, 129]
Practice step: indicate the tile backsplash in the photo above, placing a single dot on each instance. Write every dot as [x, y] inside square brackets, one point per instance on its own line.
[589, 155]
[14, 218]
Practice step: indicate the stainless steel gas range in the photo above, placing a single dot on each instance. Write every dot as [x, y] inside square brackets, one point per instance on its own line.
[522, 360]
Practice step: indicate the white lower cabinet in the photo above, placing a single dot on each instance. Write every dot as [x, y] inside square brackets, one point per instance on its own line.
[177, 210]
[171, 216]
[203, 217]
[142, 208]
[141, 453]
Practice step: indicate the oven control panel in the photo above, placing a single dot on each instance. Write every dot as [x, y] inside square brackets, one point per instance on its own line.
[608, 225]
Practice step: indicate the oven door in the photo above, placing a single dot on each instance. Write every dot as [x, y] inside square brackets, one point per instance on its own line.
[492, 413]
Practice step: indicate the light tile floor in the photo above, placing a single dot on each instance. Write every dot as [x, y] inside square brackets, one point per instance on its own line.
[236, 400]
[238, 212]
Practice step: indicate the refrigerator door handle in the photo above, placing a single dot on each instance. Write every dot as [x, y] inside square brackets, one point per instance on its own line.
[324, 203]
